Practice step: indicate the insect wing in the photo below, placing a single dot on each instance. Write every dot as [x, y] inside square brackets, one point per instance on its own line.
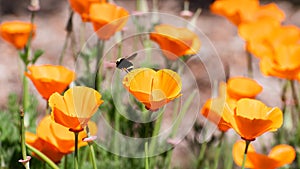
[131, 56]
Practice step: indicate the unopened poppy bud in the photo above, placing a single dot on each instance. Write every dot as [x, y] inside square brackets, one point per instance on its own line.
[34, 5]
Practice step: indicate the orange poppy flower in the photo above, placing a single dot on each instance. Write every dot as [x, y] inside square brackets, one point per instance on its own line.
[234, 11]
[242, 87]
[251, 118]
[246, 11]
[174, 41]
[214, 107]
[153, 88]
[17, 32]
[264, 35]
[279, 156]
[83, 7]
[55, 140]
[235, 89]
[49, 79]
[271, 11]
[76, 107]
[109, 17]
[284, 64]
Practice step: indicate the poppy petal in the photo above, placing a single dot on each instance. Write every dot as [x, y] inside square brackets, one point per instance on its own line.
[238, 153]
[284, 154]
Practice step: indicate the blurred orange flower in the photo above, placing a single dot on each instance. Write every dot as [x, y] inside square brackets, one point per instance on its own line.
[153, 88]
[285, 62]
[251, 118]
[265, 35]
[74, 109]
[83, 7]
[279, 156]
[234, 11]
[107, 19]
[255, 35]
[246, 11]
[236, 88]
[174, 41]
[214, 107]
[242, 87]
[55, 140]
[17, 32]
[271, 11]
[49, 79]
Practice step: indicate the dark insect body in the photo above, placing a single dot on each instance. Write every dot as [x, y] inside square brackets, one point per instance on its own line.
[125, 64]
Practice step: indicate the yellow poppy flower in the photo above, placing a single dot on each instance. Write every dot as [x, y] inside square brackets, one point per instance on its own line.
[235, 89]
[17, 32]
[153, 88]
[279, 156]
[175, 42]
[75, 107]
[251, 118]
[49, 79]
[109, 17]
[55, 140]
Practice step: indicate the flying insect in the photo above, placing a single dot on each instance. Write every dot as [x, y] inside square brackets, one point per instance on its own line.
[125, 64]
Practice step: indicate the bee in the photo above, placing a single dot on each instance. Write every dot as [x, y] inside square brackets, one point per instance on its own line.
[125, 64]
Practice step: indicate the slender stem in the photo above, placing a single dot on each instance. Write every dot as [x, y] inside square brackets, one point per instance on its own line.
[92, 153]
[201, 154]
[66, 161]
[155, 138]
[23, 146]
[249, 65]
[82, 34]
[69, 29]
[294, 94]
[218, 151]
[170, 152]
[283, 95]
[245, 153]
[117, 128]
[76, 150]
[25, 94]
[146, 156]
[43, 156]
[100, 50]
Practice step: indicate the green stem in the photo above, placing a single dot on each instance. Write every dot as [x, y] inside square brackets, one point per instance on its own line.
[82, 34]
[283, 95]
[154, 138]
[218, 151]
[249, 65]
[201, 154]
[69, 29]
[66, 161]
[76, 150]
[100, 50]
[92, 153]
[294, 94]
[146, 156]
[23, 145]
[170, 152]
[42, 156]
[245, 154]
[117, 128]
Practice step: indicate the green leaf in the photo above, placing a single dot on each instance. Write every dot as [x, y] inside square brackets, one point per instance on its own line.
[36, 55]
[23, 56]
